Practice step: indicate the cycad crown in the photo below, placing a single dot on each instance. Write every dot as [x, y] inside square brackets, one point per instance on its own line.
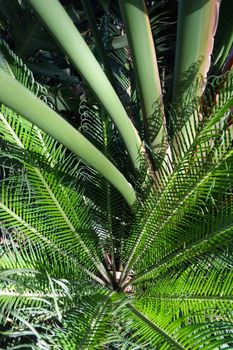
[117, 233]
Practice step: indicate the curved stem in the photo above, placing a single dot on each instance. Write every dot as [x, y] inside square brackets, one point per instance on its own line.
[68, 37]
[22, 101]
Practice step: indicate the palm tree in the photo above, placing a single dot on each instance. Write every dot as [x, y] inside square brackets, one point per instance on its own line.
[117, 233]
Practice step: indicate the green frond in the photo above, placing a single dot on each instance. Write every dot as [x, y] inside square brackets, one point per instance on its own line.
[89, 329]
[35, 293]
[111, 216]
[194, 299]
[28, 303]
[48, 195]
[147, 332]
[202, 160]
[162, 329]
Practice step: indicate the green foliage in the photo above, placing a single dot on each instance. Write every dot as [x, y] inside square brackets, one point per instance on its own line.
[79, 267]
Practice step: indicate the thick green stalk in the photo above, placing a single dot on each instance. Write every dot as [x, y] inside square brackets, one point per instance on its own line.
[66, 34]
[197, 23]
[145, 63]
[21, 100]
[224, 37]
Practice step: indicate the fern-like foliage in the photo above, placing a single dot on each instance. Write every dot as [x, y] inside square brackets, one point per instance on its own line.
[79, 269]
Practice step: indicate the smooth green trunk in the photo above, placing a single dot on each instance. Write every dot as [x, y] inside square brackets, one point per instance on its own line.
[197, 23]
[146, 69]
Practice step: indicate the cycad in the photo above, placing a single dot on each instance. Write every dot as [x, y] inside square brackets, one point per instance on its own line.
[111, 240]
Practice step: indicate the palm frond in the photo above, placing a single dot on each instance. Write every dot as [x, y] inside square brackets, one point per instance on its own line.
[89, 326]
[199, 163]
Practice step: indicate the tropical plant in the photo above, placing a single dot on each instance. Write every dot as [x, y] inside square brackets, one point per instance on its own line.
[116, 226]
